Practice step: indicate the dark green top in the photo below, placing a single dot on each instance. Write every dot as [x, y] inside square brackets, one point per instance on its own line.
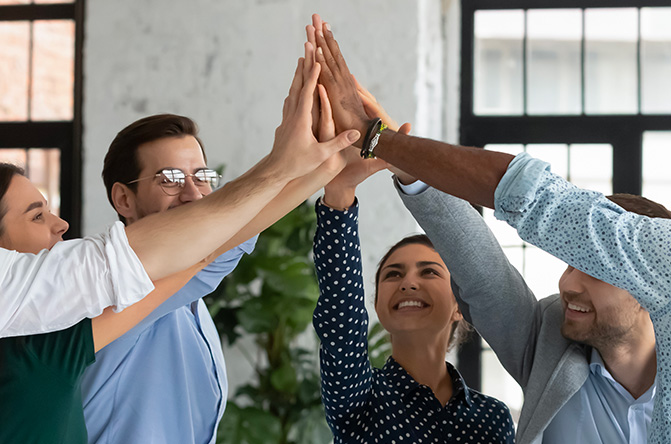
[40, 386]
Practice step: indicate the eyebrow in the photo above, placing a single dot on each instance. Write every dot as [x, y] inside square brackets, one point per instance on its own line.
[34, 205]
[427, 263]
[420, 264]
[399, 266]
[175, 168]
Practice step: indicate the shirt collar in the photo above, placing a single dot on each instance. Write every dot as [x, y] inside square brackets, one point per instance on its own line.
[401, 380]
[598, 368]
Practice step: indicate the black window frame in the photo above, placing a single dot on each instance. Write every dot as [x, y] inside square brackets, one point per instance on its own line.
[64, 135]
[624, 132]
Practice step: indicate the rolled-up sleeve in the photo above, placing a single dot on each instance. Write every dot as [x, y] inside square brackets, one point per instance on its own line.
[587, 231]
[76, 279]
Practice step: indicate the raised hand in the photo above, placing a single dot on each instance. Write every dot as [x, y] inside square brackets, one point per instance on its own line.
[348, 110]
[374, 109]
[310, 47]
[296, 151]
[340, 192]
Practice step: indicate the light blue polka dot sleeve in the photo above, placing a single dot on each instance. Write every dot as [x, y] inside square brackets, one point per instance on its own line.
[596, 236]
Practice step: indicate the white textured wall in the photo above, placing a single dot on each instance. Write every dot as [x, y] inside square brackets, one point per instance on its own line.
[228, 64]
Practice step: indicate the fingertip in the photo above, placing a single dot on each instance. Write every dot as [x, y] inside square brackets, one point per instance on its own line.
[352, 136]
[323, 97]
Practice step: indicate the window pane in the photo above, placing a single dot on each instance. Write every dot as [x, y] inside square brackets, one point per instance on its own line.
[505, 234]
[554, 57]
[498, 62]
[611, 79]
[42, 167]
[656, 60]
[498, 383]
[542, 271]
[656, 161]
[591, 167]
[14, 51]
[16, 156]
[53, 70]
[44, 172]
[555, 154]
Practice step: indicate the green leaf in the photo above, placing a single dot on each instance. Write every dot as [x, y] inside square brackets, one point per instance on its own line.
[248, 425]
[254, 319]
[311, 428]
[226, 320]
[379, 346]
[300, 316]
[284, 378]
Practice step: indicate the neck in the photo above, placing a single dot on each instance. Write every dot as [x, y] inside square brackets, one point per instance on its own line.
[424, 360]
[633, 363]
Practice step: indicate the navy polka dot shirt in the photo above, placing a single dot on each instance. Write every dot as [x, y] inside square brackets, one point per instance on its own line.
[370, 405]
[594, 235]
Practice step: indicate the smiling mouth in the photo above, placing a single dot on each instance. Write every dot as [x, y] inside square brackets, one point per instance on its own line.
[413, 304]
[577, 308]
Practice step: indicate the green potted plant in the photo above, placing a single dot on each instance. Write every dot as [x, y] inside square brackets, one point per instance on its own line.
[271, 296]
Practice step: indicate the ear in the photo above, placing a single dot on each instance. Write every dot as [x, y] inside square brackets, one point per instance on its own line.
[457, 316]
[123, 199]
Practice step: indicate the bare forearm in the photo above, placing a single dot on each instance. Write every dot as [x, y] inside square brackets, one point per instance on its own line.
[293, 194]
[339, 198]
[469, 173]
[110, 326]
[171, 241]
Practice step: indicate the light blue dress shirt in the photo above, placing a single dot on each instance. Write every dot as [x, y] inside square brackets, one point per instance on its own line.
[164, 381]
[596, 236]
[602, 412]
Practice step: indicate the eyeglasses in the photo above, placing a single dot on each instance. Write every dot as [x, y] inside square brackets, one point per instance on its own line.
[172, 180]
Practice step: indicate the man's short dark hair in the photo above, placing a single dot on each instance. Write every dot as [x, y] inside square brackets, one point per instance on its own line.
[121, 161]
[640, 205]
[7, 173]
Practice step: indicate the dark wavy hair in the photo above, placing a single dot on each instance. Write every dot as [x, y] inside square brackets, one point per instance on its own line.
[7, 173]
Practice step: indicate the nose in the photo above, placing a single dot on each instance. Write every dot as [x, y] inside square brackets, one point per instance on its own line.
[190, 191]
[408, 283]
[572, 280]
[58, 226]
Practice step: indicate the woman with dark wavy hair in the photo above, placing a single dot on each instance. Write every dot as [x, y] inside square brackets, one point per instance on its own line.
[417, 397]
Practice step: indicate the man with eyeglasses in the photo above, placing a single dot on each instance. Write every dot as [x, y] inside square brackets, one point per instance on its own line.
[165, 380]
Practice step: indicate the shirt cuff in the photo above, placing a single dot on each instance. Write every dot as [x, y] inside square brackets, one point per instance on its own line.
[321, 203]
[130, 281]
[518, 187]
[412, 189]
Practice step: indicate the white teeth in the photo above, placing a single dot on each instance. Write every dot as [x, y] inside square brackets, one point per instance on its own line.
[411, 304]
[577, 308]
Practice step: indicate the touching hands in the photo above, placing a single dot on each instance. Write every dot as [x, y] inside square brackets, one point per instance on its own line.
[296, 151]
[374, 109]
[348, 110]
